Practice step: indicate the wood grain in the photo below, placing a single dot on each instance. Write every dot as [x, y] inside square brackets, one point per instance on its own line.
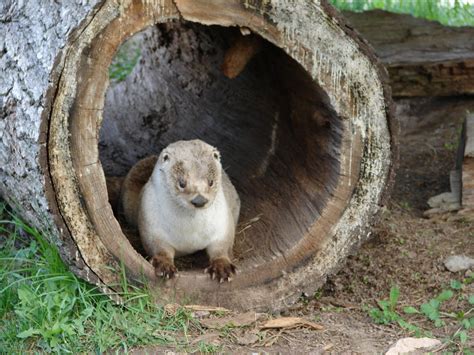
[305, 131]
[424, 58]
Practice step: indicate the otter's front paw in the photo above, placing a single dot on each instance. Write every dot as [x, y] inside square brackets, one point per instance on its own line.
[164, 266]
[221, 269]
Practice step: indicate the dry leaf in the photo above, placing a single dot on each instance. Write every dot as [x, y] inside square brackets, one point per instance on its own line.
[239, 320]
[196, 307]
[291, 322]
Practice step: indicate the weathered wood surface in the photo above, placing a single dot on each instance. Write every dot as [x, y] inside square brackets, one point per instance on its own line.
[424, 58]
[33, 37]
[238, 117]
[467, 166]
[334, 115]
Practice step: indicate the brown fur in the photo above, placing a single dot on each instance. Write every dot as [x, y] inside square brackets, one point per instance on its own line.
[164, 265]
[221, 269]
[114, 185]
[196, 164]
[136, 178]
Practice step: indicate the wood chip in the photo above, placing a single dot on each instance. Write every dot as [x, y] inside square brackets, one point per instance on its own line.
[239, 54]
[291, 322]
[245, 31]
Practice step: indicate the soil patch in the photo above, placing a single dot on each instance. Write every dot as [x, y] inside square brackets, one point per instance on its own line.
[406, 250]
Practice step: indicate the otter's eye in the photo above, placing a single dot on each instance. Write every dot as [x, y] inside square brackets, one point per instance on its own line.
[182, 183]
[211, 183]
[166, 157]
[216, 155]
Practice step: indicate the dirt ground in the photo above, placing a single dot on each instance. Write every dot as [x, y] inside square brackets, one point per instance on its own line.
[406, 250]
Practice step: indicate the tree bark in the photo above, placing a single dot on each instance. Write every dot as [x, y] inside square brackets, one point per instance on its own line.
[32, 45]
[305, 131]
[424, 58]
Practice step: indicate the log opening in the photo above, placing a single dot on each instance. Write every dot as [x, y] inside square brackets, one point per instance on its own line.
[280, 140]
[303, 132]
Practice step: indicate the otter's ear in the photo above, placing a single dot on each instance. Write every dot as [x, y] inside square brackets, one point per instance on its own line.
[216, 155]
[165, 157]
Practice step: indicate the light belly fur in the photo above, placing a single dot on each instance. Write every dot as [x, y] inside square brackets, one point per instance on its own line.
[196, 233]
[186, 233]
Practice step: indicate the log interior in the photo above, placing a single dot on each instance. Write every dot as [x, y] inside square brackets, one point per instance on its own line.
[310, 174]
[279, 138]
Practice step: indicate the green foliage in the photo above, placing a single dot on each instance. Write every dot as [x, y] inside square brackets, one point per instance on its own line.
[386, 312]
[124, 62]
[410, 310]
[456, 13]
[44, 307]
[208, 348]
[451, 147]
[431, 309]
[455, 284]
[431, 312]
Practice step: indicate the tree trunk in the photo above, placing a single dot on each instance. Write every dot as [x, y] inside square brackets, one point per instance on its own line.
[424, 58]
[304, 129]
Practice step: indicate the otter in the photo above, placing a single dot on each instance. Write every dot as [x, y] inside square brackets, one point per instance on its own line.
[187, 204]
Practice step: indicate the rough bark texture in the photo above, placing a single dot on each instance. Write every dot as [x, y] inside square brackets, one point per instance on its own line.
[308, 138]
[424, 58]
[467, 165]
[33, 36]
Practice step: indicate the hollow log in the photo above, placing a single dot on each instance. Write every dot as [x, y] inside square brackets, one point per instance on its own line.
[424, 58]
[305, 133]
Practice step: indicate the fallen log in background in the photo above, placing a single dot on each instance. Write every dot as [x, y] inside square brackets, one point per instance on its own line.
[424, 58]
[305, 132]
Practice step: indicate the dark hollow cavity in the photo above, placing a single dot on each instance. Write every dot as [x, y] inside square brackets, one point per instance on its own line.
[278, 136]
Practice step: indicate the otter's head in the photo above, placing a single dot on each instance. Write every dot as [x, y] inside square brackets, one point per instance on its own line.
[192, 172]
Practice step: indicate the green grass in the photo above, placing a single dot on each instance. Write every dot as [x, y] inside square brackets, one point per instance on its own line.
[124, 61]
[433, 314]
[45, 307]
[456, 13]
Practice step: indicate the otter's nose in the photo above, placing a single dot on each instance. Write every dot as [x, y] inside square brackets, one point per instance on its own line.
[199, 201]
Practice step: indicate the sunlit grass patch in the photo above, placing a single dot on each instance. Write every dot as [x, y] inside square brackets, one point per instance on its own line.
[125, 60]
[45, 307]
[447, 12]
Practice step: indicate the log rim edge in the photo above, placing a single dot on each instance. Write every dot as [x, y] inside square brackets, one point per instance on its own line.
[101, 265]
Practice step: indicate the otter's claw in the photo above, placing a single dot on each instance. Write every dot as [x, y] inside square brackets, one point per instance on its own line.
[164, 266]
[221, 269]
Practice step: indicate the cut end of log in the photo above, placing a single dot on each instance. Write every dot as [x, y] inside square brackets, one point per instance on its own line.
[304, 130]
